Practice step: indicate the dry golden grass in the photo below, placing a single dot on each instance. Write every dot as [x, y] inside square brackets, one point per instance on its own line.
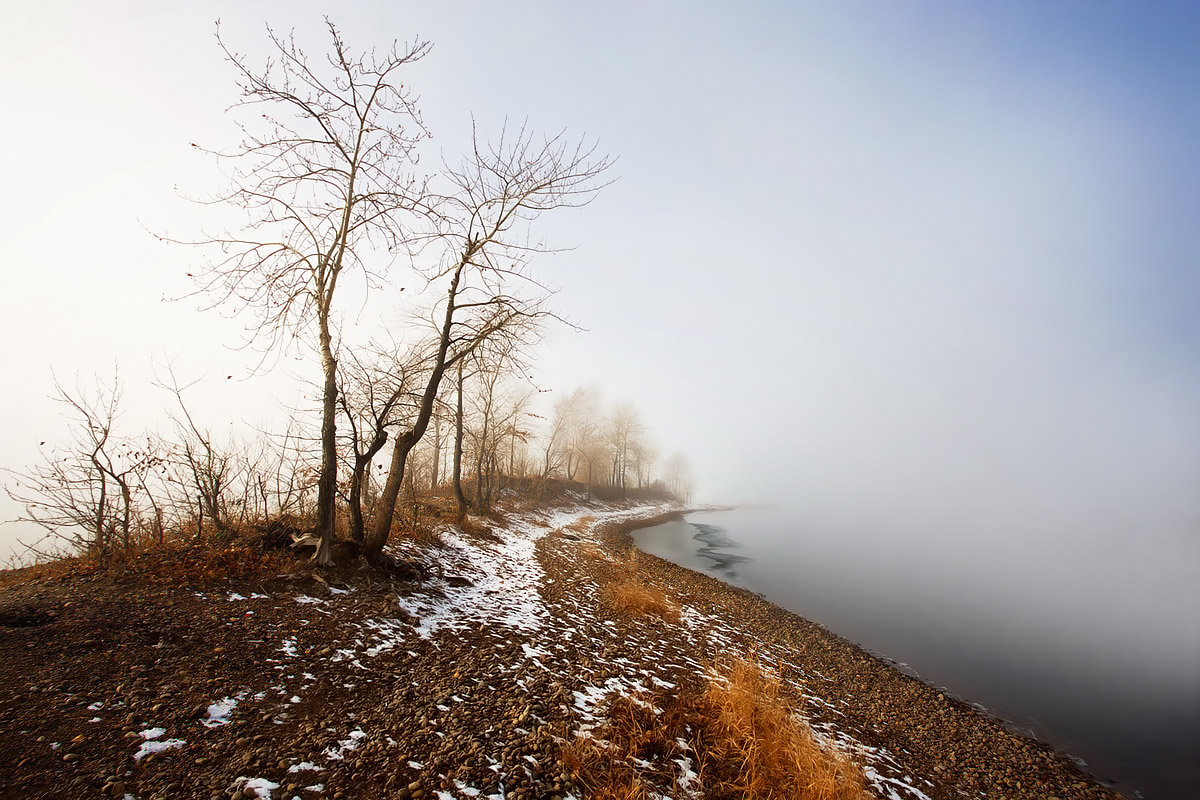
[632, 598]
[592, 550]
[756, 747]
[744, 741]
[632, 733]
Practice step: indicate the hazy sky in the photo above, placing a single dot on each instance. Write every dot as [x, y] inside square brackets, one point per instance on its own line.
[927, 270]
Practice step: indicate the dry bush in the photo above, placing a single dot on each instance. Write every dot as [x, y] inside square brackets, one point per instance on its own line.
[206, 564]
[754, 746]
[743, 739]
[632, 598]
[53, 570]
[633, 735]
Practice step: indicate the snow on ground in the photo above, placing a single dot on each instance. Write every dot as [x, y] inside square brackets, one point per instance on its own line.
[219, 712]
[349, 743]
[152, 743]
[492, 583]
[261, 786]
[504, 575]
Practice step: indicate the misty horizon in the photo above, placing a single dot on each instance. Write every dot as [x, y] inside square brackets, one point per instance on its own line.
[922, 279]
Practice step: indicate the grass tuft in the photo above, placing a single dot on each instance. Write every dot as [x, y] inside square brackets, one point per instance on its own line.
[756, 747]
[632, 598]
[737, 730]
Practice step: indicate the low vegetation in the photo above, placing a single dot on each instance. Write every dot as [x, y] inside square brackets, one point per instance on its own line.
[735, 736]
[633, 598]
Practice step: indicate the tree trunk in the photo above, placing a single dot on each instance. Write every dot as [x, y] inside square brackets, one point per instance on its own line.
[381, 527]
[458, 449]
[327, 481]
[437, 453]
[362, 462]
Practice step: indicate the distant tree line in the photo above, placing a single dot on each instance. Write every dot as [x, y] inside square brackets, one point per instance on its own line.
[102, 491]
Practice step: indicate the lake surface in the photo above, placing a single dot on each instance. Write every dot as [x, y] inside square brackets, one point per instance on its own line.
[1118, 696]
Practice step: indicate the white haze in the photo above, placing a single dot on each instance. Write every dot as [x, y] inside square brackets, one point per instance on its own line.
[925, 276]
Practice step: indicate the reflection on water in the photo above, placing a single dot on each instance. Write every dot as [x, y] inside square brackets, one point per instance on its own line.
[701, 546]
[715, 544]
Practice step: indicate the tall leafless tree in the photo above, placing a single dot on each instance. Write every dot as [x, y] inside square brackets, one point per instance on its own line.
[493, 197]
[624, 430]
[324, 178]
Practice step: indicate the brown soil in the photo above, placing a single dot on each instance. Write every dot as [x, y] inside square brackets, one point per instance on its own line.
[337, 688]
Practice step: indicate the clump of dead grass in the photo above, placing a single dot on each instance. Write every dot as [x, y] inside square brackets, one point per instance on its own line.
[755, 746]
[612, 765]
[631, 597]
[739, 733]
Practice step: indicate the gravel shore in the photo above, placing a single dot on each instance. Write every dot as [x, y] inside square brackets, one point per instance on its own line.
[460, 680]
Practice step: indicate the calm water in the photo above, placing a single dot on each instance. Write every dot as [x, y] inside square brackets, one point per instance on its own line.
[1121, 699]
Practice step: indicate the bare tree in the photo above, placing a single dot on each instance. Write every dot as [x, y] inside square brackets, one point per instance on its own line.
[645, 456]
[574, 428]
[324, 178]
[624, 431]
[495, 420]
[82, 492]
[285, 488]
[493, 197]
[459, 495]
[207, 468]
[679, 475]
[372, 393]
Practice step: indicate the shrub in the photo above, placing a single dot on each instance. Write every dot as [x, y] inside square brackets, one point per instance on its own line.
[632, 598]
[739, 733]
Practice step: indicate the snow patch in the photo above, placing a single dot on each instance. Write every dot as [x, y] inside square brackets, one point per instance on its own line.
[219, 712]
[152, 744]
[889, 785]
[350, 743]
[261, 786]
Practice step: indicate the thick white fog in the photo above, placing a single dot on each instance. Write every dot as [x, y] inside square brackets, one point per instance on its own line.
[924, 275]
